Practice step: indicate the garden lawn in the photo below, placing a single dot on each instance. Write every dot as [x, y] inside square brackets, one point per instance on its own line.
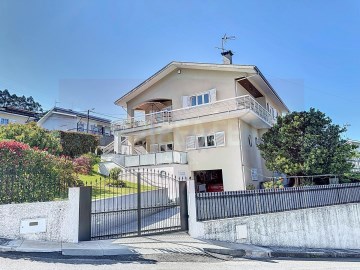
[101, 190]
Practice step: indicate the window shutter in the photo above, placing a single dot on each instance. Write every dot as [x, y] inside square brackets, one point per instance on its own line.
[212, 94]
[190, 142]
[154, 148]
[186, 101]
[220, 138]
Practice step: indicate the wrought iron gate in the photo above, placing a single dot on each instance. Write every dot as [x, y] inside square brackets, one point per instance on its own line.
[138, 203]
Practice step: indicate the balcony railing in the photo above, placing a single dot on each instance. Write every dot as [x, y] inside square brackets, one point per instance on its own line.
[222, 106]
[173, 157]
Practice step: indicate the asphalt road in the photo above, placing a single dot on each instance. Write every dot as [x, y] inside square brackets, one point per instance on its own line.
[164, 262]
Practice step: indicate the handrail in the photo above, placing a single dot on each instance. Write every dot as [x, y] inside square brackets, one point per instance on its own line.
[230, 104]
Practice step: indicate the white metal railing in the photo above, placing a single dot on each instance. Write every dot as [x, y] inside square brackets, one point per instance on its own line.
[245, 102]
[156, 159]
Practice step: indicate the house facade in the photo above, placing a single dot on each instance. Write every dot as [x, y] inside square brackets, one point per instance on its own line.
[356, 161]
[69, 120]
[13, 115]
[202, 121]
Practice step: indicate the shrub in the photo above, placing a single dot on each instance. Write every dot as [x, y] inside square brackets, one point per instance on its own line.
[82, 165]
[28, 175]
[250, 187]
[115, 183]
[279, 183]
[33, 135]
[75, 143]
[114, 173]
[94, 159]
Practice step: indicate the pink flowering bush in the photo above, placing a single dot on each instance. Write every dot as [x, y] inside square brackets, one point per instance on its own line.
[82, 165]
[28, 175]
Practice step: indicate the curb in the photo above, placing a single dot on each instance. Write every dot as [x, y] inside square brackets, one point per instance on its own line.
[314, 254]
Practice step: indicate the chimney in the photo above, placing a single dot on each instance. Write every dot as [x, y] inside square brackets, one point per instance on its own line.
[227, 57]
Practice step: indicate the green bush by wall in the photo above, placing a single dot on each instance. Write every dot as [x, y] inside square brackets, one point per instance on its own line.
[75, 143]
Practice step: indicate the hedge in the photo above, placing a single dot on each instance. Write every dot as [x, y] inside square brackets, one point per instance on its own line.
[30, 175]
[75, 144]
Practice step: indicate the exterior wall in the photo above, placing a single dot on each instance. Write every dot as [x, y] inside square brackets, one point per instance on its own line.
[60, 122]
[187, 83]
[159, 139]
[13, 118]
[70, 123]
[251, 154]
[324, 227]
[226, 158]
[62, 219]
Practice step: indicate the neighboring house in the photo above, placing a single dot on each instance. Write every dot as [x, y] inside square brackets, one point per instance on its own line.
[13, 115]
[356, 161]
[69, 120]
[202, 121]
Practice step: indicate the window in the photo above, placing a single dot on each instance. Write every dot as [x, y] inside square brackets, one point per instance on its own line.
[165, 147]
[210, 140]
[200, 99]
[205, 141]
[4, 121]
[250, 141]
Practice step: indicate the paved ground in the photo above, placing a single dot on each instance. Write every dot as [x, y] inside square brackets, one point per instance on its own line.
[10, 261]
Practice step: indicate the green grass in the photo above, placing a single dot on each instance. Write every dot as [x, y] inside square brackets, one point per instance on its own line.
[101, 190]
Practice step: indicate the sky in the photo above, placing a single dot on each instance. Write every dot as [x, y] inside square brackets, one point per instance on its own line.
[85, 54]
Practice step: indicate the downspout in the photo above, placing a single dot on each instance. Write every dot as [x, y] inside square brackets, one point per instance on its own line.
[241, 154]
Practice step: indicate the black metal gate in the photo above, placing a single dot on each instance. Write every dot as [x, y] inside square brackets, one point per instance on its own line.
[138, 203]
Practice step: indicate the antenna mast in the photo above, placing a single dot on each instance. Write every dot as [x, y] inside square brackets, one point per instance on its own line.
[224, 39]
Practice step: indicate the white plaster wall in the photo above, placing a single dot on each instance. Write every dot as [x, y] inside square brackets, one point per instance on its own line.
[62, 219]
[226, 158]
[60, 122]
[324, 227]
[19, 119]
[189, 82]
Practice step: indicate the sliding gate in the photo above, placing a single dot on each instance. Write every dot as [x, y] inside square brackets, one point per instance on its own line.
[138, 203]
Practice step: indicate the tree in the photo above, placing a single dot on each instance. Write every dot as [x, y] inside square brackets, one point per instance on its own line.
[24, 103]
[306, 143]
[33, 135]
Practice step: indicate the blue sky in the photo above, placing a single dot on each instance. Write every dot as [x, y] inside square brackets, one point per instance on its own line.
[86, 54]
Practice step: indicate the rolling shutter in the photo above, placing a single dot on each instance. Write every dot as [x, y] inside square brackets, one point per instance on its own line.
[220, 138]
[190, 142]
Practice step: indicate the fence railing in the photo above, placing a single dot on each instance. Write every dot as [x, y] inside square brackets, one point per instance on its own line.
[240, 103]
[219, 205]
[22, 189]
[156, 159]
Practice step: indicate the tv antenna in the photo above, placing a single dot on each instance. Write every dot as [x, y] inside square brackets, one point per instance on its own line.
[224, 39]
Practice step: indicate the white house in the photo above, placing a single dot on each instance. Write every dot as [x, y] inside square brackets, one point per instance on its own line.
[201, 121]
[356, 161]
[13, 115]
[69, 120]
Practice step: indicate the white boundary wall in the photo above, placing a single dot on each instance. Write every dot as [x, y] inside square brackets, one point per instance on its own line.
[48, 221]
[335, 227]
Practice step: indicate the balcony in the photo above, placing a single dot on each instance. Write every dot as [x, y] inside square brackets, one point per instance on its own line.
[244, 107]
[173, 157]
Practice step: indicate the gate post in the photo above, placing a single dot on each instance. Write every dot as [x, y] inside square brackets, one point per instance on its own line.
[138, 175]
[184, 216]
[84, 233]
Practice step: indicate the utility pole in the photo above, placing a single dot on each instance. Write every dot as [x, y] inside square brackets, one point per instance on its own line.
[88, 118]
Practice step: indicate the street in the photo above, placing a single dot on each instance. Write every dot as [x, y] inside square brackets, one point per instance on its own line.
[165, 262]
